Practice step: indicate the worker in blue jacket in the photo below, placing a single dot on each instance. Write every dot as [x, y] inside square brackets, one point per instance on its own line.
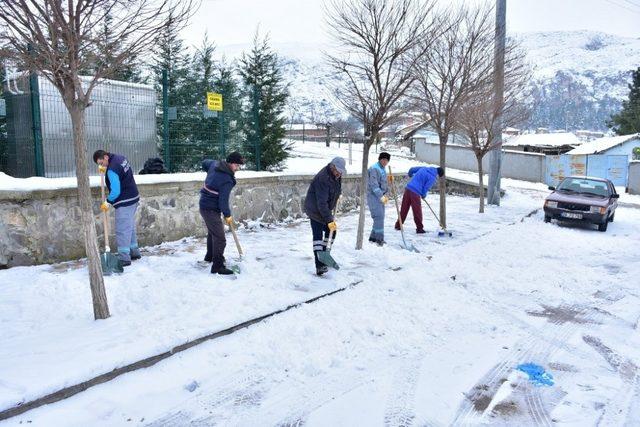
[214, 201]
[377, 189]
[422, 179]
[124, 197]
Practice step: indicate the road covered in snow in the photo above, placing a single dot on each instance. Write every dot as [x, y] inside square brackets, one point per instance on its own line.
[440, 337]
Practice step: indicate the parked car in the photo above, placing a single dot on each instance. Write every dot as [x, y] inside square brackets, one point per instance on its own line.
[583, 199]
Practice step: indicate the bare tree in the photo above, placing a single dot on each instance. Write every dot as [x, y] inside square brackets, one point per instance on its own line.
[59, 40]
[445, 74]
[375, 40]
[479, 111]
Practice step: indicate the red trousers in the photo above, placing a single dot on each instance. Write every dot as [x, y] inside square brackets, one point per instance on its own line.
[409, 198]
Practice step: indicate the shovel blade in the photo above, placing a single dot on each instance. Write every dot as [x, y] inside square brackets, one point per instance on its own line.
[110, 264]
[443, 233]
[326, 258]
[409, 247]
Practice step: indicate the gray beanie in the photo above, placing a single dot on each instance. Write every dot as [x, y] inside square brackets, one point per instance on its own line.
[339, 164]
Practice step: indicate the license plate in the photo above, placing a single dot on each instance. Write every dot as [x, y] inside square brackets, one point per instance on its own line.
[571, 215]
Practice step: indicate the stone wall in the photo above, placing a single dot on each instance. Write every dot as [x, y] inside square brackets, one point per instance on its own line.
[43, 226]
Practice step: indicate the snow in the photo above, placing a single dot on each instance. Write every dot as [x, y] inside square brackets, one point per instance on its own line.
[601, 145]
[544, 140]
[418, 334]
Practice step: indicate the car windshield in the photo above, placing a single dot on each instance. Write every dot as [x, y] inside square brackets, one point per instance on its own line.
[584, 186]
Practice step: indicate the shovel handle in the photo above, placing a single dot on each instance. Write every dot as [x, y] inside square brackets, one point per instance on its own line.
[235, 238]
[105, 219]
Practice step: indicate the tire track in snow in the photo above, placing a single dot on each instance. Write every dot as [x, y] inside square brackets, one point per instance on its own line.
[537, 347]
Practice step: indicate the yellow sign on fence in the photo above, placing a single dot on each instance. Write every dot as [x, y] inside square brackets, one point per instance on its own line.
[214, 101]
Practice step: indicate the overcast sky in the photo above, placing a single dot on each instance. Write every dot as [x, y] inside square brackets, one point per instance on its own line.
[235, 21]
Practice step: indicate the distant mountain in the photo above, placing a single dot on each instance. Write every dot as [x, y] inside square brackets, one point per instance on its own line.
[580, 78]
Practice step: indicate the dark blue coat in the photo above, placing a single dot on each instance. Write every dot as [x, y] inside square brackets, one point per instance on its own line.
[322, 196]
[217, 187]
[422, 179]
[123, 190]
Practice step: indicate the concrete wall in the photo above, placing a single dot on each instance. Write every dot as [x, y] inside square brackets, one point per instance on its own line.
[515, 164]
[44, 226]
[634, 177]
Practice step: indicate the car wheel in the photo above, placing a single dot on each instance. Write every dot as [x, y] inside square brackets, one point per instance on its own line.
[603, 226]
[547, 218]
[611, 217]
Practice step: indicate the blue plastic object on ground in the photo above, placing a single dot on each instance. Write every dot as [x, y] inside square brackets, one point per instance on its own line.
[537, 374]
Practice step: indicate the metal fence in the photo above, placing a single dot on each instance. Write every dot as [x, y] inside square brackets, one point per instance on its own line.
[191, 132]
[36, 137]
[39, 136]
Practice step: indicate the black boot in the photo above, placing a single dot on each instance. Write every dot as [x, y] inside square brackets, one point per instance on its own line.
[208, 258]
[320, 270]
[221, 270]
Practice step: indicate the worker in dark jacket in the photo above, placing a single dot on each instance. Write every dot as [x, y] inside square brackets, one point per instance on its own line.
[321, 199]
[422, 179]
[214, 200]
[124, 197]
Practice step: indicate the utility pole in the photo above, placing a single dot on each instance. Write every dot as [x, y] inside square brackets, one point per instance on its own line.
[495, 158]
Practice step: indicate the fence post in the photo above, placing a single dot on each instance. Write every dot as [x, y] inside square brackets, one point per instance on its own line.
[34, 89]
[165, 120]
[221, 128]
[256, 117]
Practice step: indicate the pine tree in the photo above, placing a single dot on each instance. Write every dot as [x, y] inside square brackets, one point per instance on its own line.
[266, 96]
[108, 49]
[171, 55]
[627, 121]
[225, 83]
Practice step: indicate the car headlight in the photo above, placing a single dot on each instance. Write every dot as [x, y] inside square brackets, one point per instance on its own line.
[597, 209]
[551, 204]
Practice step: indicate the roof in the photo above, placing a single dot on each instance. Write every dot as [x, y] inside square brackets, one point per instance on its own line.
[601, 145]
[301, 126]
[544, 140]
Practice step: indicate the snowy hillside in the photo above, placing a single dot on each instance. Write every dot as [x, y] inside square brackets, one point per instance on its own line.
[580, 77]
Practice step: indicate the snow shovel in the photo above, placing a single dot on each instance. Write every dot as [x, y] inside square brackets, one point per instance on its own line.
[235, 268]
[325, 256]
[395, 199]
[443, 231]
[110, 262]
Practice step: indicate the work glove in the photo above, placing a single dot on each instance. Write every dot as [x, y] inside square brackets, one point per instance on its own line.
[390, 179]
[384, 200]
[102, 169]
[332, 226]
[228, 220]
[104, 206]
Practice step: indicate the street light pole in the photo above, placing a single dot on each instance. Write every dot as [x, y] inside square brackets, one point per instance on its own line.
[495, 158]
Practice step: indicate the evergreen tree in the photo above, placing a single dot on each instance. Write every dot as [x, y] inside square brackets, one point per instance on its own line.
[225, 83]
[266, 96]
[171, 55]
[627, 121]
[108, 49]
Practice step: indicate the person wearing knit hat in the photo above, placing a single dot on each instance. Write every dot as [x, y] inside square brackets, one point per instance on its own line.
[377, 188]
[319, 204]
[214, 200]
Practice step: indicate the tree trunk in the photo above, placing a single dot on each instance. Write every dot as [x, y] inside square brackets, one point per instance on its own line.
[363, 189]
[480, 183]
[96, 281]
[443, 182]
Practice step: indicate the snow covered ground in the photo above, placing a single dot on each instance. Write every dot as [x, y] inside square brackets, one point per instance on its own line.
[429, 338]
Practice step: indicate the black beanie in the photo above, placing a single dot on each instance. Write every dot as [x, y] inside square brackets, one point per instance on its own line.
[236, 158]
[440, 172]
[384, 155]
